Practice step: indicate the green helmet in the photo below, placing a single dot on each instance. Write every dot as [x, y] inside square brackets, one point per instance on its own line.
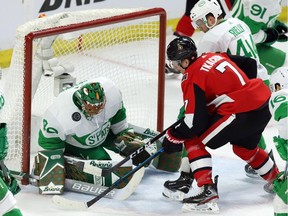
[90, 99]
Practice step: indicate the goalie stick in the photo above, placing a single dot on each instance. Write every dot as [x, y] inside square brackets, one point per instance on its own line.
[78, 205]
[106, 172]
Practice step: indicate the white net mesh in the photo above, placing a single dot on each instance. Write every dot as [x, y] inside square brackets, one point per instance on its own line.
[126, 52]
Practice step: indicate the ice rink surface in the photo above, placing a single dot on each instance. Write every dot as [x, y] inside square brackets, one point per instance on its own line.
[239, 194]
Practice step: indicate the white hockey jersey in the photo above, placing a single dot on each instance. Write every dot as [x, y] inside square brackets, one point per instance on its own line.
[234, 37]
[257, 14]
[65, 121]
[278, 106]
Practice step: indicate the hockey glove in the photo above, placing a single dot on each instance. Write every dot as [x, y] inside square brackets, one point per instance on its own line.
[282, 147]
[280, 185]
[12, 184]
[282, 30]
[127, 142]
[172, 144]
[170, 71]
[3, 141]
[271, 36]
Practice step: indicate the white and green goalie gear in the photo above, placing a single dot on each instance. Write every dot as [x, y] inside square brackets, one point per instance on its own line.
[49, 167]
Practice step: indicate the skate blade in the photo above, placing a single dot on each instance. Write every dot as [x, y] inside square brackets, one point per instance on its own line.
[251, 175]
[209, 207]
[173, 195]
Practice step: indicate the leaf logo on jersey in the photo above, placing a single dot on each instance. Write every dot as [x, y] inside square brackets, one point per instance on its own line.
[97, 137]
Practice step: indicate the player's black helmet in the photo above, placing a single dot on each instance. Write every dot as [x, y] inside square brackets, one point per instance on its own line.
[181, 48]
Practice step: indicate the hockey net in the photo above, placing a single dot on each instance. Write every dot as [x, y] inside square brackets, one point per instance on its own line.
[125, 45]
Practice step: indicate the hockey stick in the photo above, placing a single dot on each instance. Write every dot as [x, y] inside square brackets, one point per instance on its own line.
[5, 174]
[106, 172]
[78, 205]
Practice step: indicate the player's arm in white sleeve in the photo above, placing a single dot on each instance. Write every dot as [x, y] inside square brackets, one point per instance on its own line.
[260, 17]
[278, 109]
[207, 46]
[50, 136]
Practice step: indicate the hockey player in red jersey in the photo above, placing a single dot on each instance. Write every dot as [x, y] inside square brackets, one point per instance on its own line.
[222, 105]
[184, 26]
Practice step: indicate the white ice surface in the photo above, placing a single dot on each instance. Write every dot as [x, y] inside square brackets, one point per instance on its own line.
[239, 194]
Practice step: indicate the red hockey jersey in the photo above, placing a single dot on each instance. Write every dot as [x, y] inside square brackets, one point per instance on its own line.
[225, 87]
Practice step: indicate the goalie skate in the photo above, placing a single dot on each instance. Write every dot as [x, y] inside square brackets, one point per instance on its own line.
[176, 190]
[205, 201]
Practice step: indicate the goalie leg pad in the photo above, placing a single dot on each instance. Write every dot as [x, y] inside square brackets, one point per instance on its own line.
[49, 166]
[169, 162]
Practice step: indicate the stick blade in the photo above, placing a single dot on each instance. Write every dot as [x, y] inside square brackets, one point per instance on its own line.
[65, 203]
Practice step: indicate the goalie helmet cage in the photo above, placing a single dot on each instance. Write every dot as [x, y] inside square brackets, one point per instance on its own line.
[125, 45]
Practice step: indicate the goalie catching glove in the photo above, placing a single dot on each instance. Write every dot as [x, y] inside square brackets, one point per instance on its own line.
[127, 143]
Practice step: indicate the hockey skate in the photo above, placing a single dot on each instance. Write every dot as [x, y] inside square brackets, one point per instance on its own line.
[250, 172]
[205, 201]
[176, 190]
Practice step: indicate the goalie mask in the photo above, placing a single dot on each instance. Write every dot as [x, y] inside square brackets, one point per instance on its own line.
[202, 9]
[279, 77]
[90, 99]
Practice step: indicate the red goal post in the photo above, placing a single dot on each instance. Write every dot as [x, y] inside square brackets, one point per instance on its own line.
[22, 139]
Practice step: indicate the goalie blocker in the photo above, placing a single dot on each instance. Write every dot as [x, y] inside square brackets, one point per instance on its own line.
[52, 167]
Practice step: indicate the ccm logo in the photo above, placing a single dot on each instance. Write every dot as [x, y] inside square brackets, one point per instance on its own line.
[137, 152]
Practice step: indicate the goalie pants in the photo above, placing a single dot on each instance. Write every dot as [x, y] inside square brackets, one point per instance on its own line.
[243, 131]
